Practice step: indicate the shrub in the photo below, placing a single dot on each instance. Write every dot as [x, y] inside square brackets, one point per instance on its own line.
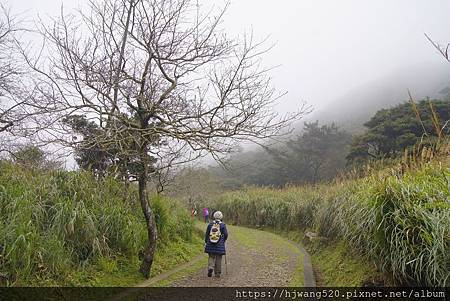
[54, 222]
[403, 223]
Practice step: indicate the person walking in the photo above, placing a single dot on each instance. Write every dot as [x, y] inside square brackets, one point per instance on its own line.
[193, 212]
[206, 214]
[215, 237]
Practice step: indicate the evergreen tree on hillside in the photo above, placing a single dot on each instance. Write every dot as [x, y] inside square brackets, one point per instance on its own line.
[99, 156]
[32, 156]
[392, 130]
[95, 158]
[316, 155]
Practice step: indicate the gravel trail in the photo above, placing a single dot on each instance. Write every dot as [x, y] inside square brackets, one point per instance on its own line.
[254, 258]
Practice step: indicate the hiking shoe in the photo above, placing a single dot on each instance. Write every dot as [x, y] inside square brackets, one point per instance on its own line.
[210, 271]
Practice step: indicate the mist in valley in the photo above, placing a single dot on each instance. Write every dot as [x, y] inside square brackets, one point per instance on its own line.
[344, 59]
[256, 165]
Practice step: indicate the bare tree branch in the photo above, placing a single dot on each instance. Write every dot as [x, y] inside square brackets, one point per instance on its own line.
[171, 85]
[442, 50]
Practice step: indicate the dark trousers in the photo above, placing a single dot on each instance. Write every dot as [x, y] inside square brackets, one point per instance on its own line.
[215, 263]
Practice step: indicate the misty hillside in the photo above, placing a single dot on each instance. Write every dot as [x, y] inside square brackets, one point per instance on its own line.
[351, 110]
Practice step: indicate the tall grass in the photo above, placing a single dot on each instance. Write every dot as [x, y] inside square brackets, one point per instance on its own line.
[53, 223]
[402, 222]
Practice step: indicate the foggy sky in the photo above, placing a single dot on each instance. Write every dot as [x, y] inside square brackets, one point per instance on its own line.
[331, 53]
[324, 49]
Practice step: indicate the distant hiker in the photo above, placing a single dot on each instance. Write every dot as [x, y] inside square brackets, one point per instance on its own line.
[215, 237]
[206, 214]
[193, 212]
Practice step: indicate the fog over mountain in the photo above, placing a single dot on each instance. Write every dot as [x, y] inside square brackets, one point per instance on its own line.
[356, 106]
[352, 109]
[345, 58]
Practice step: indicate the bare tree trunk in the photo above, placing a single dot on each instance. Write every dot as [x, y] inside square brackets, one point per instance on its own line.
[147, 261]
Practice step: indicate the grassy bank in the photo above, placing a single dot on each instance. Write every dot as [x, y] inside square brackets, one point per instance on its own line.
[400, 222]
[338, 264]
[68, 229]
[334, 262]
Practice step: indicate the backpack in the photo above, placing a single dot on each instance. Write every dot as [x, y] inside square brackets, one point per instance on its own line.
[214, 233]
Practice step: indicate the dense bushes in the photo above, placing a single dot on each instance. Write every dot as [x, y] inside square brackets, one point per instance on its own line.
[401, 222]
[52, 223]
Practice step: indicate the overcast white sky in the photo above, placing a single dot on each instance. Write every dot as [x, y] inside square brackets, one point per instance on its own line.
[327, 48]
[324, 47]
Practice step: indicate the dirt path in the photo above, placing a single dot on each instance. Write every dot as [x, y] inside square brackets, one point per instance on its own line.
[254, 258]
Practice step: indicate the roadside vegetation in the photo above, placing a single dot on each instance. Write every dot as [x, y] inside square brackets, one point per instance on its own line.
[399, 220]
[60, 228]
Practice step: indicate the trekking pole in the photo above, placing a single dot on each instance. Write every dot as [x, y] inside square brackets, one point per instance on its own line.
[226, 265]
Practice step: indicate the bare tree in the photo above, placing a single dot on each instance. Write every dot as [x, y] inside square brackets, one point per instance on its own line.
[162, 81]
[20, 105]
[10, 71]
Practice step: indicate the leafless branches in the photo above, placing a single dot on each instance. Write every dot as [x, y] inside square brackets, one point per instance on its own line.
[21, 105]
[10, 71]
[152, 69]
[442, 50]
[160, 80]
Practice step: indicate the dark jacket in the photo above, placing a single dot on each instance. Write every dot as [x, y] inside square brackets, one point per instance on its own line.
[219, 247]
